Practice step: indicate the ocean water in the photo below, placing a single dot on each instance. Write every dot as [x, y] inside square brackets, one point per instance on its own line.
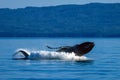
[104, 61]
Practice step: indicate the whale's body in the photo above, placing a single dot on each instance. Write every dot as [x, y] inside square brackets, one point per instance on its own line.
[78, 50]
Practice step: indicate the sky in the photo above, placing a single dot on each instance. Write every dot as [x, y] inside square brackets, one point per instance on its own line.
[40, 3]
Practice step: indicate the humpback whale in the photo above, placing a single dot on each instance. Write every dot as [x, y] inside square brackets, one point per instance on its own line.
[78, 49]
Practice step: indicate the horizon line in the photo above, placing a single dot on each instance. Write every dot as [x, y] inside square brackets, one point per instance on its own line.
[59, 5]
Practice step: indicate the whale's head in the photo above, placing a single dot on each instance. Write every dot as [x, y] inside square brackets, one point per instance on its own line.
[84, 48]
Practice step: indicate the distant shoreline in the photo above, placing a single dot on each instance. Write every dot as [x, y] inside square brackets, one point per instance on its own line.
[89, 20]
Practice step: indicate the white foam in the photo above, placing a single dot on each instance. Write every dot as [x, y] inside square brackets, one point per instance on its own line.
[54, 55]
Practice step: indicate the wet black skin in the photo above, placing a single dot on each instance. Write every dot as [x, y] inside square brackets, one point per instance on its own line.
[79, 49]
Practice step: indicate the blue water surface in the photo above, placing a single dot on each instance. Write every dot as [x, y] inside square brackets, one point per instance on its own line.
[105, 64]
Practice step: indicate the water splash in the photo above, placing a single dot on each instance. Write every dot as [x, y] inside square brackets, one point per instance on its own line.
[50, 55]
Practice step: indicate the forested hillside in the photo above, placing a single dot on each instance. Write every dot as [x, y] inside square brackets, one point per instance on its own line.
[90, 20]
